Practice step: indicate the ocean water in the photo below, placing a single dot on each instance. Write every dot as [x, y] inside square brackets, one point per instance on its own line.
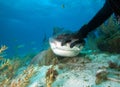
[25, 24]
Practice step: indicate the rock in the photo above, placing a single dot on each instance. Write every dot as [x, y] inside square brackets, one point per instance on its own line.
[44, 58]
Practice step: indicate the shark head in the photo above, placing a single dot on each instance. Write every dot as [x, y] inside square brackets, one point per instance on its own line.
[64, 51]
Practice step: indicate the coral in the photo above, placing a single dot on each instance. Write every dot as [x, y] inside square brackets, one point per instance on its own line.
[109, 28]
[114, 64]
[3, 48]
[6, 72]
[9, 69]
[105, 74]
[109, 37]
[111, 46]
[51, 74]
[24, 78]
[4, 64]
[101, 76]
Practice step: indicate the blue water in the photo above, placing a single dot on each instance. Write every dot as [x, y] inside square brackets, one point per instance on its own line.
[24, 23]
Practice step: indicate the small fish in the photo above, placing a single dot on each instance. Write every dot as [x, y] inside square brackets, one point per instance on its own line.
[21, 46]
[34, 48]
[15, 40]
[63, 6]
[33, 42]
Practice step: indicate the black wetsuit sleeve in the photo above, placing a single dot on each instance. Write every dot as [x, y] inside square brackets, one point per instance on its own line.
[104, 13]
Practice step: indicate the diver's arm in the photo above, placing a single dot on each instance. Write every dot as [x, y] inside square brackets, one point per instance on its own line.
[97, 20]
[104, 13]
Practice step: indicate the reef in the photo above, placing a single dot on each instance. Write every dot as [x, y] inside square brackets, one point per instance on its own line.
[11, 72]
[109, 36]
[89, 69]
[106, 38]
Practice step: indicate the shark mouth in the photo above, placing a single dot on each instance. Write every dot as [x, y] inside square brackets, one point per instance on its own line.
[64, 51]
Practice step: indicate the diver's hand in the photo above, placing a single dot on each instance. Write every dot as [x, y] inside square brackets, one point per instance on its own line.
[69, 37]
[82, 42]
